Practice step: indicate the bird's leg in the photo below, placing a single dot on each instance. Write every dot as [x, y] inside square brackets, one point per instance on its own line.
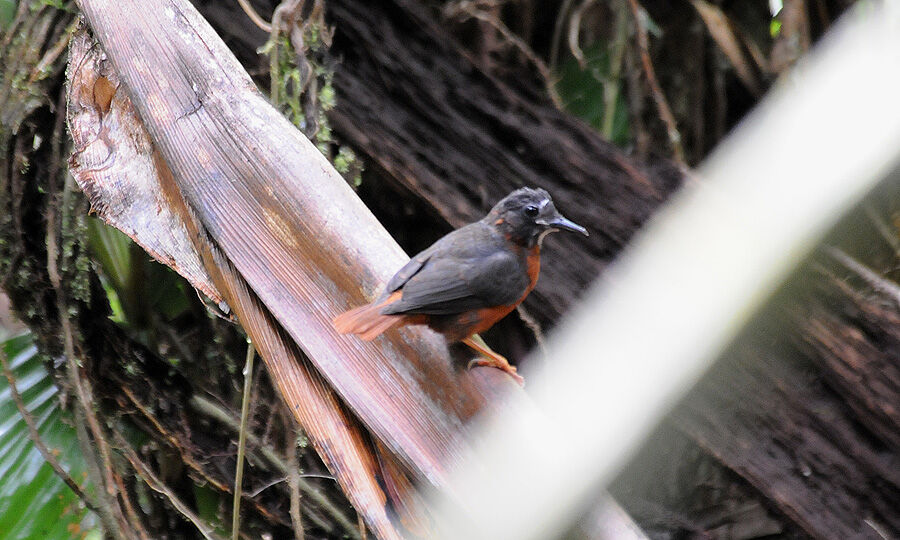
[490, 358]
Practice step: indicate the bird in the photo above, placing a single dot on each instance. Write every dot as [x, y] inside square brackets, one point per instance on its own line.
[469, 279]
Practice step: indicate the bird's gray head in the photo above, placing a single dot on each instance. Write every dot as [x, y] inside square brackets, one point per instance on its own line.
[526, 215]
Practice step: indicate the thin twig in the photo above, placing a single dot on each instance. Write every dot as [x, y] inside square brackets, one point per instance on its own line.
[130, 513]
[173, 440]
[13, 29]
[611, 86]
[35, 437]
[557, 33]
[879, 283]
[275, 29]
[294, 484]
[242, 442]
[81, 388]
[466, 9]
[254, 16]
[216, 412]
[266, 486]
[53, 52]
[186, 450]
[174, 339]
[213, 410]
[277, 481]
[662, 105]
[158, 486]
[636, 103]
[890, 235]
[575, 32]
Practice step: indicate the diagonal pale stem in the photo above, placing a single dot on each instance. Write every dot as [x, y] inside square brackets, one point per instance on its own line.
[242, 442]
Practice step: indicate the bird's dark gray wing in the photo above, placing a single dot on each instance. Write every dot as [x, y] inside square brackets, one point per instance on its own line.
[409, 270]
[465, 241]
[449, 285]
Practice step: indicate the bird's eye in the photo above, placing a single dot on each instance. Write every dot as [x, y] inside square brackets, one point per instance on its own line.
[531, 210]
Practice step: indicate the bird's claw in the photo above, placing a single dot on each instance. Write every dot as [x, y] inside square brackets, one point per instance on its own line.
[503, 365]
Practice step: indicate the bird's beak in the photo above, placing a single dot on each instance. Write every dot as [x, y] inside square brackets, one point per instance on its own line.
[560, 222]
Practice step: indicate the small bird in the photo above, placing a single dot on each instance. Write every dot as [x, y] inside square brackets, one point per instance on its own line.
[469, 279]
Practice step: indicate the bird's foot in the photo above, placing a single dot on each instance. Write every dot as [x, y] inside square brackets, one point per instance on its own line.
[492, 359]
[505, 366]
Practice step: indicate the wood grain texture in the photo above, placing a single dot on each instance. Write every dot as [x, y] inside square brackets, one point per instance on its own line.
[289, 246]
[117, 166]
[132, 188]
[336, 434]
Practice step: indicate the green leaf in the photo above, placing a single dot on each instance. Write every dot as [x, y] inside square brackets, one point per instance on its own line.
[34, 502]
[209, 503]
[585, 92]
[135, 284]
[169, 292]
[112, 249]
[7, 13]
[775, 28]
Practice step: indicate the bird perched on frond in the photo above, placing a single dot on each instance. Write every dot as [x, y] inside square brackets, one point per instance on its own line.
[470, 278]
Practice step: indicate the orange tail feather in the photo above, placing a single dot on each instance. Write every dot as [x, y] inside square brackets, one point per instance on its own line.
[368, 321]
